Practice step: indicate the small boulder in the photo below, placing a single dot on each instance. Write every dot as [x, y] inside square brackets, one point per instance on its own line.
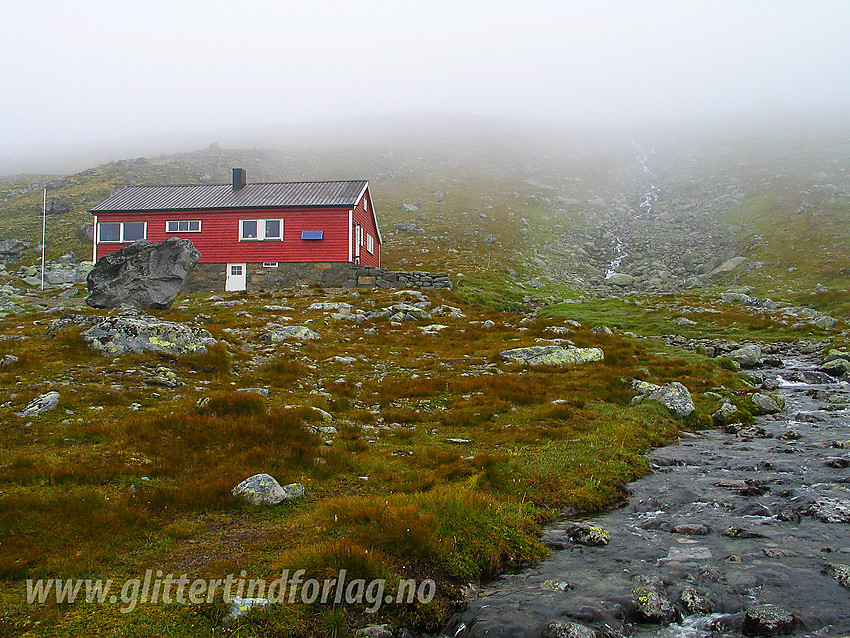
[553, 355]
[374, 631]
[263, 489]
[652, 606]
[676, 397]
[841, 573]
[766, 404]
[830, 510]
[568, 629]
[724, 414]
[644, 387]
[588, 535]
[748, 356]
[768, 620]
[241, 606]
[619, 279]
[43, 403]
[836, 367]
[692, 529]
[134, 331]
[290, 332]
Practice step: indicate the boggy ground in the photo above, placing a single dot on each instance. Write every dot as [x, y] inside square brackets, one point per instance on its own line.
[430, 457]
[728, 520]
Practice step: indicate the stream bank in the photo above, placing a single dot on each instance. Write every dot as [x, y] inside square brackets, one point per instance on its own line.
[727, 523]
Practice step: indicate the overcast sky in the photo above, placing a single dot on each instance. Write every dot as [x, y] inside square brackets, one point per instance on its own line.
[81, 70]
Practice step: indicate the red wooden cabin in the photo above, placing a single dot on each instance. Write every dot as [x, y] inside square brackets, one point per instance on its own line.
[241, 223]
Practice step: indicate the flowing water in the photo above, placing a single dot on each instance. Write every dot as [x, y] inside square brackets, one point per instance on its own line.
[764, 481]
[647, 201]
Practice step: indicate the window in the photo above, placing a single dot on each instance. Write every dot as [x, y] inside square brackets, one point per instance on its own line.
[109, 232]
[121, 232]
[189, 226]
[273, 229]
[260, 229]
[270, 264]
[236, 270]
[370, 243]
[312, 234]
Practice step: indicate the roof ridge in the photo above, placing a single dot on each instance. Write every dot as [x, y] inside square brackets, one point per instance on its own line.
[316, 181]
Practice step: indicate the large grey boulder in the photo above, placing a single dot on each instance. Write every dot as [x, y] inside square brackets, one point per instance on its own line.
[553, 355]
[134, 331]
[676, 397]
[142, 275]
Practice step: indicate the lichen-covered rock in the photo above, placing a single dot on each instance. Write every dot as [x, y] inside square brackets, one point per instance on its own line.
[652, 606]
[841, 573]
[748, 356]
[374, 631]
[142, 275]
[407, 312]
[676, 397]
[290, 332]
[724, 414]
[644, 387]
[836, 367]
[165, 377]
[553, 355]
[134, 331]
[768, 620]
[568, 629]
[66, 321]
[263, 489]
[241, 606]
[830, 510]
[43, 403]
[766, 404]
[695, 601]
[588, 535]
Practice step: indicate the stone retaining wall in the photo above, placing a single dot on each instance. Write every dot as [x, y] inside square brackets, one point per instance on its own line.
[210, 277]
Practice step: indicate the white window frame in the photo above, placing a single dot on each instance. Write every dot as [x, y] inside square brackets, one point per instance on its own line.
[271, 264]
[370, 244]
[183, 221]
[261, 229]
[121, 239]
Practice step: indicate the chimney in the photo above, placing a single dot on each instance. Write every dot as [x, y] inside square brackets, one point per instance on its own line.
[238, 178]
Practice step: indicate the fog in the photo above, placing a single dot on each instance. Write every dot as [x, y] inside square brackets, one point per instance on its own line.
[145, 75]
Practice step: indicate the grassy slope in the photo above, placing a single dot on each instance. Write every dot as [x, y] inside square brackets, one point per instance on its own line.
[74, 502]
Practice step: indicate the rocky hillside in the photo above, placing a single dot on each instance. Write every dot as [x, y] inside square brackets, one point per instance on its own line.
[521, 217]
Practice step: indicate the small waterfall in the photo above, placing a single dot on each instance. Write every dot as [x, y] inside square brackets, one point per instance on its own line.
[644, 207]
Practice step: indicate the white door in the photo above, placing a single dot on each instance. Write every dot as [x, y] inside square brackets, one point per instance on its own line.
[237, 277]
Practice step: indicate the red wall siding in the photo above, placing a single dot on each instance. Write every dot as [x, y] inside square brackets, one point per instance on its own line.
[367, 222]
[219, 242]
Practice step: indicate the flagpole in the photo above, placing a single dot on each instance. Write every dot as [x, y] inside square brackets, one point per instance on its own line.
[43, 235]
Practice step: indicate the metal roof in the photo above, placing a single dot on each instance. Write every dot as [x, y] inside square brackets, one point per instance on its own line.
[222, 196]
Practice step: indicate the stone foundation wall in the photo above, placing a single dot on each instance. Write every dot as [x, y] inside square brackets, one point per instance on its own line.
[210, 277]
